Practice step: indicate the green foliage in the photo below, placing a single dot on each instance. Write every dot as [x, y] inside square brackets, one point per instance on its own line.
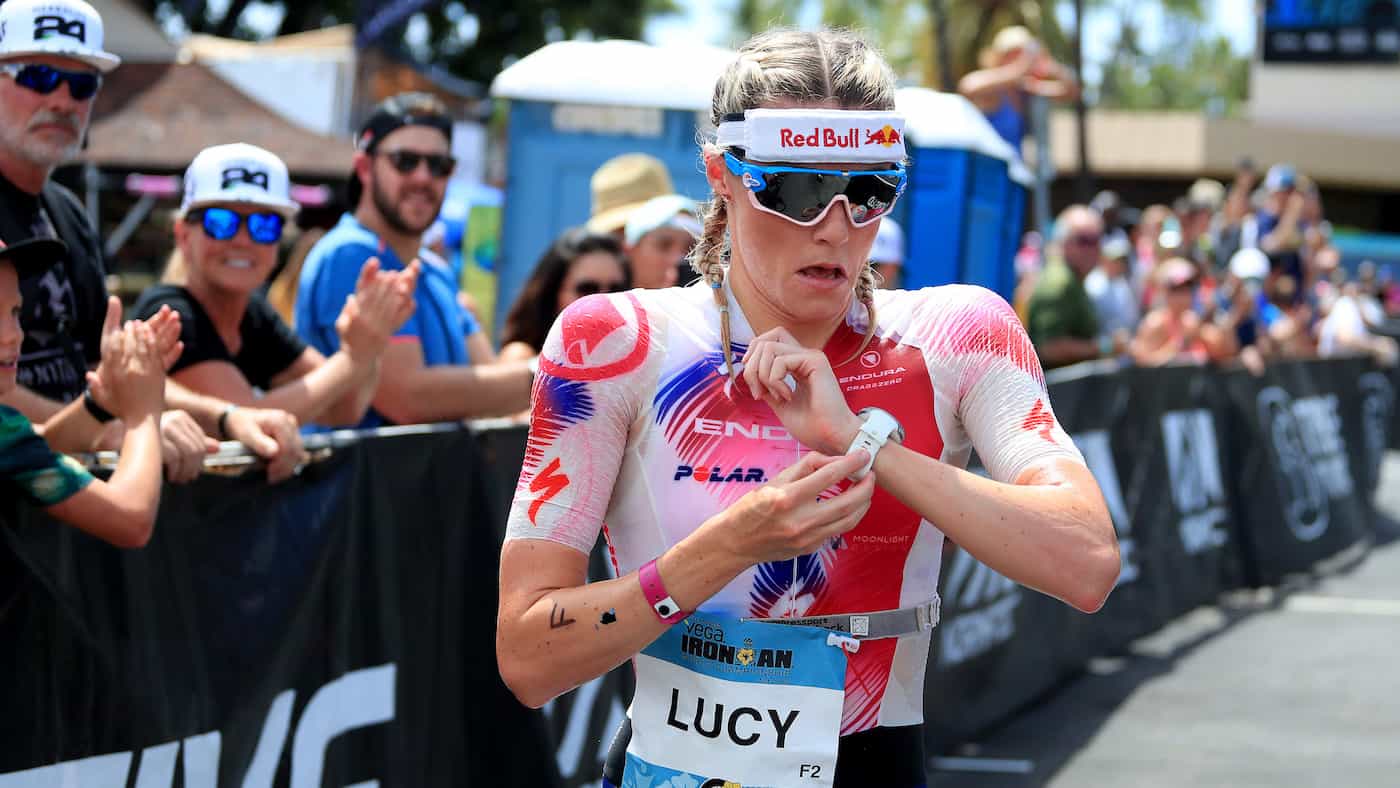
[473, 40]
[1184, 71]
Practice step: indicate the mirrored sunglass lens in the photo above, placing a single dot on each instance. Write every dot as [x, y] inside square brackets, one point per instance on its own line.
[871, 197]
[40, 79]
[265, 228]
[800, 196]
[220, 224]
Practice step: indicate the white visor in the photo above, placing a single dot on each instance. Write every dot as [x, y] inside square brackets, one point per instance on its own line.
[816, 135]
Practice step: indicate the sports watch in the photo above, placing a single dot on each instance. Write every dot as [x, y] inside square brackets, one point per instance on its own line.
[877, 427]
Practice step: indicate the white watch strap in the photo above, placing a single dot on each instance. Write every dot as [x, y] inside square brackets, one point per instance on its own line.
[874, 432]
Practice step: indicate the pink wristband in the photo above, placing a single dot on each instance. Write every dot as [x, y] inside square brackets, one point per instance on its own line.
[655, 591]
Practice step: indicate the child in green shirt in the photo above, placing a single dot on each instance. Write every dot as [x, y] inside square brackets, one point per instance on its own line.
[130, 382]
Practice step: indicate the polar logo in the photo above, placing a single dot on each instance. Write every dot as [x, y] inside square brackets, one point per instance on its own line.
[1377, 401]
[1193, 464]
[1306, 511]
[1098, 455]
[870, 359]
[358, 699]
[986, 604]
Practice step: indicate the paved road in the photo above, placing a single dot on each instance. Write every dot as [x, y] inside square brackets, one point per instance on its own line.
[1293, 687]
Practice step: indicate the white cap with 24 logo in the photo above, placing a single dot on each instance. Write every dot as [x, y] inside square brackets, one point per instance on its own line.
[63, 28]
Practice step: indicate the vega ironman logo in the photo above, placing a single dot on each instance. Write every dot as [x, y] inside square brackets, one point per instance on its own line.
[357, 699]
[1193, 465]
[1305, 438]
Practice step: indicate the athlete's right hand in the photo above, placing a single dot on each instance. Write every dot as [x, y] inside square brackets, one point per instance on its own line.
[784, 518]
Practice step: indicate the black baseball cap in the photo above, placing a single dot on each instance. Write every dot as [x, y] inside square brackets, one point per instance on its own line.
[390, 115]
[34, 256]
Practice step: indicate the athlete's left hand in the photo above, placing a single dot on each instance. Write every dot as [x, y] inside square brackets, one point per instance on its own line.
[814, 409]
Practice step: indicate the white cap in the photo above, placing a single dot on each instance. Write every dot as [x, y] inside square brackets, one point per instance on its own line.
[670, 210]
[1249, 263]
[63, 28]
[888, 248]
[237, 173]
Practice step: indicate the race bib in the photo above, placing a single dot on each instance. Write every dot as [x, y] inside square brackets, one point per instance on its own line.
[721, 703]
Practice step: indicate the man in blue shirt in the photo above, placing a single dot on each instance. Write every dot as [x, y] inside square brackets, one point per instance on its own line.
[440, 366]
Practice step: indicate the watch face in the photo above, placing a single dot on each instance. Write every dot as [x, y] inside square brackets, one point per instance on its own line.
[897, 435]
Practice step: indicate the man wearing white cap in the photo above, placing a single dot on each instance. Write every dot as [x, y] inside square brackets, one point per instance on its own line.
[658, 237]
[51, 67]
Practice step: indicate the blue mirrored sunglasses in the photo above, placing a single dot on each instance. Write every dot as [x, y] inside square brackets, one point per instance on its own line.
[222, 224]
[42, 79]
[803, 195]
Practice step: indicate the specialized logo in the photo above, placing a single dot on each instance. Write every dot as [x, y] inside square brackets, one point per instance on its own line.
[870, 359]
[236, 175]
[547, 483]
[886, 136]
[719, 783]
[51, 25]
[1193, 463]
[717, 475]
[731, 429]
[593, 334]
[1039, 420]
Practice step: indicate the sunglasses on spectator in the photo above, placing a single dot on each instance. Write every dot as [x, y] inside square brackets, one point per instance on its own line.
[589, 287]
[440, 165]
[42, 79]
[1086, 240]
[803, 195]
[221, 224]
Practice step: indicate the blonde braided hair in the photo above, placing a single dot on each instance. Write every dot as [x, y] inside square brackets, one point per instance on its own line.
[807, 66]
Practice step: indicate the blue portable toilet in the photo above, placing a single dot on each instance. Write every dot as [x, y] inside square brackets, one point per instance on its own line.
[573, 106]
[965, 204]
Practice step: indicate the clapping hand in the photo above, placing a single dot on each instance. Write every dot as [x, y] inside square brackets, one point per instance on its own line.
[130, 379]
[381, 303]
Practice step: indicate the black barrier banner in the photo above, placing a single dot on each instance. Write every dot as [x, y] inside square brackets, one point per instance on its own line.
[1301, 498]
[337, 629]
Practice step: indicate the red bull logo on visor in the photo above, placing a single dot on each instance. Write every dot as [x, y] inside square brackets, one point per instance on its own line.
[886, 136]
[819, 138]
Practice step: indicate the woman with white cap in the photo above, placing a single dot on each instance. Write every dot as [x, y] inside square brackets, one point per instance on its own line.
[236, 348]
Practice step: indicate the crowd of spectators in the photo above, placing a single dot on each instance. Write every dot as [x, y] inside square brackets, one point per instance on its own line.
[1239, 274]
[365, 325]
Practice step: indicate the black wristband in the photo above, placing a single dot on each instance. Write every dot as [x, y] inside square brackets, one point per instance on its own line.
[223, 421]
[98, 413]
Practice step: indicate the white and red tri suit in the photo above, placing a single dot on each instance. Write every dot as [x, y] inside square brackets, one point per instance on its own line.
[634, 427]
